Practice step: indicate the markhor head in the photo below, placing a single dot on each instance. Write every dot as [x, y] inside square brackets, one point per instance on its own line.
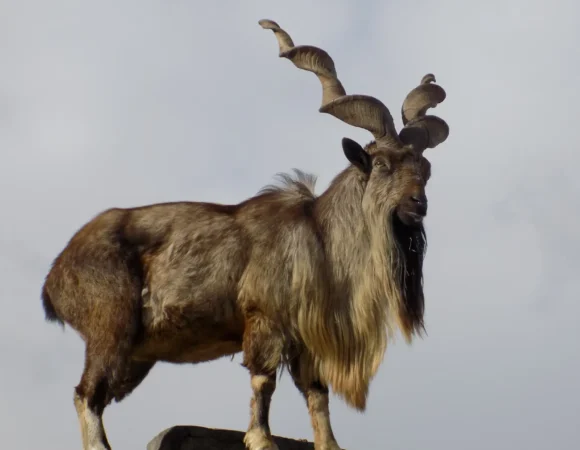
[393, 165]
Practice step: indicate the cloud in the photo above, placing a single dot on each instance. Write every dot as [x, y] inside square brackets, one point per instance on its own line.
[127, 103]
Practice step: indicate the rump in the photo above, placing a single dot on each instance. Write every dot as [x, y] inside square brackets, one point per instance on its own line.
[97, 277]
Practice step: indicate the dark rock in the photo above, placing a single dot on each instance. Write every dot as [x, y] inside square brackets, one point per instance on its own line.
[187, 437]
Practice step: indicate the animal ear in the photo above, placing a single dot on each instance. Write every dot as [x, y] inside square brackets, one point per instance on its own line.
[356, 154]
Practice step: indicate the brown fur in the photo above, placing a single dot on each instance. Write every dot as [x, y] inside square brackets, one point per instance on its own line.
[192, 282]
[314, 283]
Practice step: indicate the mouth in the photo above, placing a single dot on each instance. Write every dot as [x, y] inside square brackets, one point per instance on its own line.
[415, 217]
[411, 217]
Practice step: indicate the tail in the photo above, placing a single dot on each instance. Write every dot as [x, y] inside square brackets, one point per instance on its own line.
[49, 311]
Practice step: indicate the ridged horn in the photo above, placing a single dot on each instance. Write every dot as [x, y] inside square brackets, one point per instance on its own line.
[423, 131]
[361, 111]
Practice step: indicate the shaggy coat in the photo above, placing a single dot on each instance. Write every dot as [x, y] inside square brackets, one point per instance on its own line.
[316, 284]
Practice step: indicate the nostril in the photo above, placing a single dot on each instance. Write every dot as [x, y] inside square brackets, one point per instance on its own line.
[419, 199]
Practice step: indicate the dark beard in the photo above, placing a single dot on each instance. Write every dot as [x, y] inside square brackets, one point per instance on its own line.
[412, 243]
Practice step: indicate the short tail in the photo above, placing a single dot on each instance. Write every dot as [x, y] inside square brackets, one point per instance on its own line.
[49, 311]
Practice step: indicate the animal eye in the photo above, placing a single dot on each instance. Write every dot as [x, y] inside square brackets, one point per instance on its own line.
[380, 164]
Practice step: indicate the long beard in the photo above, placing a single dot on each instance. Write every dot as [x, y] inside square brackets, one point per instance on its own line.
[411, 245]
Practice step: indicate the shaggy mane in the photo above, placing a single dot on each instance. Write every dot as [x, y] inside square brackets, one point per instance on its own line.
[374, 264]
[343, 295]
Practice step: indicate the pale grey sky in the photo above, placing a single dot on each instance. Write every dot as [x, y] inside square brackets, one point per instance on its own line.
[123, 103]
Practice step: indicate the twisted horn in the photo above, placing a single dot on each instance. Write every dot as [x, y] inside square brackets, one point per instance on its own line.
[361, 111]
[423, 131]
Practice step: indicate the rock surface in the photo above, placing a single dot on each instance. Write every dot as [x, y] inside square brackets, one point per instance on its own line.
[187, 437]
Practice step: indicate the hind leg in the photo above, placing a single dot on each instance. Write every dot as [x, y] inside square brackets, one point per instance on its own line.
[92, 395]
[262, 346]
[316, 395]
[108, 373]
[96, 390]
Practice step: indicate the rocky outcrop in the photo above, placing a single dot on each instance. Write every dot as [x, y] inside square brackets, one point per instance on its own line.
[187, 437]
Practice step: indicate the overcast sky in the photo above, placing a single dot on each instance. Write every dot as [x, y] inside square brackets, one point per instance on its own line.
[125, 103]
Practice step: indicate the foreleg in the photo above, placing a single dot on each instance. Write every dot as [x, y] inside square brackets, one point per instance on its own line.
[316, 395]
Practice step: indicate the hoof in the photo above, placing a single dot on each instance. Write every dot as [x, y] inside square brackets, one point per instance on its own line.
[256, 439]
[99, 446]
[330, 446]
